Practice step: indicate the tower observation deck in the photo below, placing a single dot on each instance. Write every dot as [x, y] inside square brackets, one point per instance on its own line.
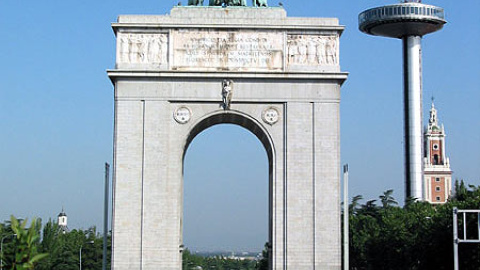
[408, 21]
[400, 20]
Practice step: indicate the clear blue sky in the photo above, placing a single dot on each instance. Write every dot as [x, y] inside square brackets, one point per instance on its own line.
[56, 114]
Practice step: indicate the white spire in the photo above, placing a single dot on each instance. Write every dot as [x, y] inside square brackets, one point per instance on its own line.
[433, 121]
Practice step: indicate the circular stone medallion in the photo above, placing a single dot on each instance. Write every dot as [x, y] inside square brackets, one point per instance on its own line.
[182, 114]
[270, 115]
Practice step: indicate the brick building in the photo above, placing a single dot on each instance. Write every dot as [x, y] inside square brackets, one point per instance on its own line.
[437, 172]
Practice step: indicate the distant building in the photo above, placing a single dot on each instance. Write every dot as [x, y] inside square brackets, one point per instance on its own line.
[437, 172]
[62, 222]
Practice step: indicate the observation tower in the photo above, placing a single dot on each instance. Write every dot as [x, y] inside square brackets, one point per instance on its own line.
[409, 21]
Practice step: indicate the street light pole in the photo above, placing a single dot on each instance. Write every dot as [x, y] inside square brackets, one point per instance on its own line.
[346, 216]
[80, 262]
[105, 218]
[80, 254]
[1, 249]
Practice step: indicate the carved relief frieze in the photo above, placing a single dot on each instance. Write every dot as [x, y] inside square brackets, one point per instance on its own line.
[142, 48]
[226, 50]
[312, 50]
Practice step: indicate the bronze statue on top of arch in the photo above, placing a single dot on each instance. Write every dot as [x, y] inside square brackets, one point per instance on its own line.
[255, 3]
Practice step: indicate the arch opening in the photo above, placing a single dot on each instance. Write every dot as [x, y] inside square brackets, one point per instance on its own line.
[436, 159]
[238, 196]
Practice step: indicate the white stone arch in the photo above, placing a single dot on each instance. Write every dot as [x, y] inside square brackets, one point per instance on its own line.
[149, 142]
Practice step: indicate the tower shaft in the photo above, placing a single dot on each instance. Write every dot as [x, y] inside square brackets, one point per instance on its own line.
[412, 57]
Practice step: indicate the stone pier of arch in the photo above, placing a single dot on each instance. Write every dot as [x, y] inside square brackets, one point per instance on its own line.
[169, 79]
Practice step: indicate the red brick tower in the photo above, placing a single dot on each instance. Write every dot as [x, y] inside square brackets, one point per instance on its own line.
[437, 172]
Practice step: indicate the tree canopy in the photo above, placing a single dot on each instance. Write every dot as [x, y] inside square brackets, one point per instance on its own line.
[418, 235]
[24, 249]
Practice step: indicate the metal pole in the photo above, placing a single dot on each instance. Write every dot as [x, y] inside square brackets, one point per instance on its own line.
[413, 116]
[105, 217]
[478, 224]
[346, 227]
[455, 239]
[80, 263]
[1, 249]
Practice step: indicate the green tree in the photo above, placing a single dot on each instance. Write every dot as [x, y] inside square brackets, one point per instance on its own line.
[62, 247]
[461, 192]
[49, 244]
[416, 236]
[7, 235]
[26, 244]
[387, 199]
[264, 261]
[56, 243]
[353, 207]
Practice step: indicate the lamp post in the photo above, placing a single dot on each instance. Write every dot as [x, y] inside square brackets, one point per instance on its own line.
[105, 218]
[1, 249]
[80, 254]
[346, 216]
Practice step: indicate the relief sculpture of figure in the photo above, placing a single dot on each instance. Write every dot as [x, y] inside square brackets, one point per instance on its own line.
[154, 50]
[124, 49]
[321, 51]
[163, 49]
[227, 93]
[134, 49]
[292, 52]
[260, 3]
[331, 51]
[143, 48]
[195, 2]
[302, 51]
[157, 49]
[311, 52]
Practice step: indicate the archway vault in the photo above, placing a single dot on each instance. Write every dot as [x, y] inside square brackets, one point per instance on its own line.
[237, 118]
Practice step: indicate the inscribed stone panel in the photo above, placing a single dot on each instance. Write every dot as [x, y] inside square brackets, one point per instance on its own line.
[213, 50]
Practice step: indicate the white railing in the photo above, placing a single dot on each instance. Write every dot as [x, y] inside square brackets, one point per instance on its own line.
[464, 237]
[401, 11]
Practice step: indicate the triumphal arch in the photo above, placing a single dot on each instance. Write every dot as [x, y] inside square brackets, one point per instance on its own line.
[277, 76]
